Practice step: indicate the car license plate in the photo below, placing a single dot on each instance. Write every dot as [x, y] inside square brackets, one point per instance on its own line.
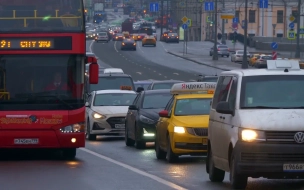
[119, 126]
[293, 167]
[205, 141]
[26, 141]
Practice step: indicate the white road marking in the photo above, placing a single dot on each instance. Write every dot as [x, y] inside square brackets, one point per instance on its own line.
[165, 76]
[91, 46]
[154, 71]
[164, 47]
[159, 74]
[115, 47]
[175, 73]
[138, 73]
[140, 48]
[135, 170]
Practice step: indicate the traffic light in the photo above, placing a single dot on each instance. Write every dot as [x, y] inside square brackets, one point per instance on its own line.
[145, 11]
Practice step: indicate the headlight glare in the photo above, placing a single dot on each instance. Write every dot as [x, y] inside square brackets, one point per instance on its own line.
[178, 129]
[145, 119]
[250, 135]
[98, 116]
[74, 128]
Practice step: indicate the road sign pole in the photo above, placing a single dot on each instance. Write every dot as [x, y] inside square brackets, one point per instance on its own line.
[223, 27]
[274, 55]
[245, 61]
[297, 55]
[263, 19]
[215, 55]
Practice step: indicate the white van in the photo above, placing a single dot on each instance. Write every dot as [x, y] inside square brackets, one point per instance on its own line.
[256, 126]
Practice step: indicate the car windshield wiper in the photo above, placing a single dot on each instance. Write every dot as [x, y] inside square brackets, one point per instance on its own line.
[297, 107]
[261, 107]
[53, 96]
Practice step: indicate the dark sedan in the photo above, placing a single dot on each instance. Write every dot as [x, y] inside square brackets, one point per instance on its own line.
[172, 37]
[118, 37]
[128, 43]
[143, 115]
[165, 84]
[144, 84]
[206, 78]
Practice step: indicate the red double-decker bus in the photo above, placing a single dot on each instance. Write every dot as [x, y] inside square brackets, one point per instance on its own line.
[42, 67]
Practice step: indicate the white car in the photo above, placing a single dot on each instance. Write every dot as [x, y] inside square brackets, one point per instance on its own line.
[238, 56]
[106, 111]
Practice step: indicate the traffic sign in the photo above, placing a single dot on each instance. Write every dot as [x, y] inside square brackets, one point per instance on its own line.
[235, 20]
[274, 55]
[154, 7]
[227, 13]
[185, 26]
[291, 35]
[274, 45]
[185, 19]
[209, 6]
[301, 31]
[264, 4]
[243, 24]
[291, 18]
[291, 25]
[208, 19]
[189, 22]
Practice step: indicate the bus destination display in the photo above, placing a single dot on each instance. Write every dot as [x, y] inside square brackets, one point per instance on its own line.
[19, 43]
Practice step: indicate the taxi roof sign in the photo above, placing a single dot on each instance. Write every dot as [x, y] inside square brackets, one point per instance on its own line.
[125, 87]
[193, 87]
[283, 64]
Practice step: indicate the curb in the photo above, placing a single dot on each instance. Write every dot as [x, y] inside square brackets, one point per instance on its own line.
[197, 61]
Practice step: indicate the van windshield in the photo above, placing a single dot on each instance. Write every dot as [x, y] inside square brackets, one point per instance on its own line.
[105, 83]
[272, 92]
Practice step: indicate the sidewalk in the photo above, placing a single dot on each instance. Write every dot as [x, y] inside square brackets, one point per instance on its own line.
[223, 63]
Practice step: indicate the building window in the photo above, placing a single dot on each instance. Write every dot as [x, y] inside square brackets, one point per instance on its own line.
[251, 16]
[280, 16]
[237, 14]
[295, 14]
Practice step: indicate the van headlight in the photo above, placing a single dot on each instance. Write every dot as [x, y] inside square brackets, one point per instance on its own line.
[250, 135]
[178, 129]
[98, 116]
[74, 128]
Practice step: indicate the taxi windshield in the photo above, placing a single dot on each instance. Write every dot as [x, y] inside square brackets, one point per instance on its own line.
[114, 99]
[42, 16]
[156, 101]
[192, 106]
[272, 91]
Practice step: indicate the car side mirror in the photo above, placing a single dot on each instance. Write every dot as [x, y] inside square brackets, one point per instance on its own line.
[224, 108]
[164, 113]
[140, 89]
[133, 107]
[87, 104]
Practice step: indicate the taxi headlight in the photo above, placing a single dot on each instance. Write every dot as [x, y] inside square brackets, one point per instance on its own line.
[98, 116]
[178, 129]
[75, 128]
[145, 119]
[249, 135]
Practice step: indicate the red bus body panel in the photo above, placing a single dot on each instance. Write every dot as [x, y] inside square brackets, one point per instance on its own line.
[14, 124]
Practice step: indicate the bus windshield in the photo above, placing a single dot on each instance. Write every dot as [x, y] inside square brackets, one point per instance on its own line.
[41, 82]
[41, 16]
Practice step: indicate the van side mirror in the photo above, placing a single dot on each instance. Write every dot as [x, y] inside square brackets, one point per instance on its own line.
[87, 104]
[133, 107]
[164, 113]
[224, 108]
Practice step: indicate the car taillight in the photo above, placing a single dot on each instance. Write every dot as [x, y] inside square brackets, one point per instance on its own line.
[218, 49]
[228, 49]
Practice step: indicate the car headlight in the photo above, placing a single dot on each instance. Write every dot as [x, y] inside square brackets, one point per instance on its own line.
[249, 135]
[75, 128]
[98, 116]
[145, 119]
[178, 129]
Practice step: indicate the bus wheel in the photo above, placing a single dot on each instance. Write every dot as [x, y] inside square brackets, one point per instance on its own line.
[69, 153]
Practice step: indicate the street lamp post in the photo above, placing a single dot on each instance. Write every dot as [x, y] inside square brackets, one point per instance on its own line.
[245, 58]
[215, 54]
[223, 27]
[297, 55]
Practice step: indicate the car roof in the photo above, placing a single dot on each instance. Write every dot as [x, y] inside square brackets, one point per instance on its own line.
[259, 72]
[167, 81]
[143, 82]
[115, 91]
[161, 91]
[113, 74]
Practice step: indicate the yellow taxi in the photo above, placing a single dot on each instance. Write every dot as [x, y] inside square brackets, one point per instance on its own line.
[135, 37]
[253, 59]
[148, 40]
[182, 128]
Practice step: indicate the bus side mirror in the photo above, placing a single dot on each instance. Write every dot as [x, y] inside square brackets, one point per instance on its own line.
[93, 72]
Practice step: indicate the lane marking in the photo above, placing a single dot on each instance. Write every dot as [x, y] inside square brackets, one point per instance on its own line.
[115, 47]
[135, 170]
[159, 74]
[91, 46]
[140, 48]
[165, 76]
[138, 73]
[175, 73]
[164, 47]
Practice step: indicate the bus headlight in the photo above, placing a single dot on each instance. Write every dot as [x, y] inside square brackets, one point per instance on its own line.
[75, 128]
